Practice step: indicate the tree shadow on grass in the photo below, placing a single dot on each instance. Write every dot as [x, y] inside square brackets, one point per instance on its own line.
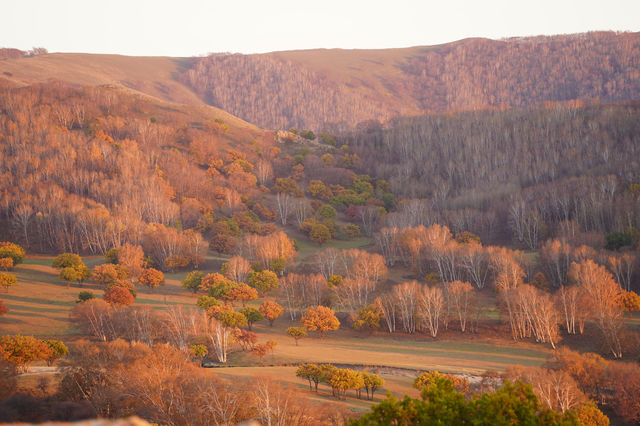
[14, 312]
[23, 299]
[11, 320]
[52, 310]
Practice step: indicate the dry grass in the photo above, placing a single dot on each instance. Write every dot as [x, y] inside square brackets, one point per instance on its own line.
[397, 385]
[470, 354]
[40, 304]
[144, 74]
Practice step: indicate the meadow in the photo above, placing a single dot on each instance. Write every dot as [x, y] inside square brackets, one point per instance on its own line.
[41, 303]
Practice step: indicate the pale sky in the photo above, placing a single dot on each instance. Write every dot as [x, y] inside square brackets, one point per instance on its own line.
[194, 27]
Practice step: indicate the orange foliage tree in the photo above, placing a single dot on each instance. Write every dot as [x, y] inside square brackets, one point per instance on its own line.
[151, 278]
[118, 295]
[271, 311]
[319, 319]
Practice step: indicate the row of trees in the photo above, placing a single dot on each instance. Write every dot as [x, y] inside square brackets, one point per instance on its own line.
[414, 306]
[340, 379]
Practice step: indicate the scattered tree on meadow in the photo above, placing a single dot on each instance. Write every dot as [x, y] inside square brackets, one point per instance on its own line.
[368, 318]
[217, 310]
[6, 263]
[69, 274]
[247, 339]
[205, 302]
[198, 351]
[260, 351]
[312, 373]
[23, 350]
[67, 260]
[264, 280]
[3, 308]
[271, 311]
[58, 350]
[12, 251]
[319, 319]
[319, 233]
[118, 295]
[193, 281]
[83, 296]
[297, 333]
[151, 278]
[242, 293]
[7, 280]
[108, 273]
[252, 314]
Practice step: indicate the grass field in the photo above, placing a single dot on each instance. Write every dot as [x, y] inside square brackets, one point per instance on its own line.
[397, 385]
[461, 355]
[40, 305]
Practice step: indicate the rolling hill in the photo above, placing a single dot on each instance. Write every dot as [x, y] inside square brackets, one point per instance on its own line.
[335, 89]
[316, 88]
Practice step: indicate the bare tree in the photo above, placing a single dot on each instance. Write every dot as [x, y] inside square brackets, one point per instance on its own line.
[461, 297]
[406, 296]
[284, 204]
[603, 293]
[430, 308]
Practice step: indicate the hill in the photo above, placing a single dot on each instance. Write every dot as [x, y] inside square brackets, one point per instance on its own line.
[315, 88]
[335, 89]
[77, 162]
[150, 75]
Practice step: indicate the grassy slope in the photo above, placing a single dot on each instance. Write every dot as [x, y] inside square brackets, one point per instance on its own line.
[397, 385]
[372, 73]
[40, 304]
[151, 76]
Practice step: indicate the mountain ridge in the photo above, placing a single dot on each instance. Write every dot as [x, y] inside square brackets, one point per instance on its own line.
[335, 89]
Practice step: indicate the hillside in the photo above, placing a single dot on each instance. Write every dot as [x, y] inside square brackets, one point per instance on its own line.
[84, 168]
[335, 89]
[314, 88]
[151, 75]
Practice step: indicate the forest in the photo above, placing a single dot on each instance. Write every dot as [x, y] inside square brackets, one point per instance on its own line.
[471, 74]
[465, 256]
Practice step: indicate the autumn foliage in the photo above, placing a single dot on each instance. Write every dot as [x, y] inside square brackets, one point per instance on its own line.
[319, 319]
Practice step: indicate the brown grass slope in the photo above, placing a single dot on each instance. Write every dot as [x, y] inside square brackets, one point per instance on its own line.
[151, 76]
[311, 88]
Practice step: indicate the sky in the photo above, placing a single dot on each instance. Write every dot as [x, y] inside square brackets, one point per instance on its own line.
[198, 27]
